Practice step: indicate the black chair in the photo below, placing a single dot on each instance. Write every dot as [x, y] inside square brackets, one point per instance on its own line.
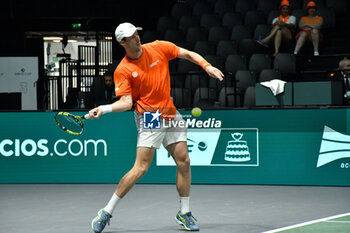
[215, 61]
[174, 35]
[296, 4]
[217, 33]
[149, 36]
[179, 9]
[165, 23]
[194, 81]
[225, 48]
[181, 97]
[249, 98]
[253, 18]
[235, 62]
[286, 64]
[209, 20]
[272, 14]
[328, 14]
[204, 93]
[229, 98]
[340, 6]
[240, 32]
[195, 34]
[269, 74]
[221, 7]
[177, 80]
[184, 66]
[173, 65]
[200, 8]
[184, 44]
[204, 47]
[243, 6]
[262, 31]
[187, 21]
[265, 6]
[258, 62]
[231, 19]
[244, 79]
[247, 47]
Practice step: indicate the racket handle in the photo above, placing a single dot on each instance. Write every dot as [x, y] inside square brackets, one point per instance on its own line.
[87, 116]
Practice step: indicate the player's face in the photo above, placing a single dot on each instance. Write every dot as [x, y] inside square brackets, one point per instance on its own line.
[285, 11]
[133, 41]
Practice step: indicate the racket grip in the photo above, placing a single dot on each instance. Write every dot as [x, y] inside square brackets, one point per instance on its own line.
[86, 116]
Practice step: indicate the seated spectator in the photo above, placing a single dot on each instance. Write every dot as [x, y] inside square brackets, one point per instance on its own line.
[282, 28]
[103, 89]
[310, 27]
[344, 67]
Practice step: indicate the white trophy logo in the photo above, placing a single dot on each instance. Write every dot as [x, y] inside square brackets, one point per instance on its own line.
[237, 150]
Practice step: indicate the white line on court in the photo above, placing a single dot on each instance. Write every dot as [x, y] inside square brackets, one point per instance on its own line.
[307, 223]
[338, 221]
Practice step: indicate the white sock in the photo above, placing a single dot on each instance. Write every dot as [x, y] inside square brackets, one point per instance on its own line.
[112, 204]
[184, 205]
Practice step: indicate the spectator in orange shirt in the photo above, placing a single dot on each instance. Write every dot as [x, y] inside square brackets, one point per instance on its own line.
[310, 27]
[282, 28]
[143, 76]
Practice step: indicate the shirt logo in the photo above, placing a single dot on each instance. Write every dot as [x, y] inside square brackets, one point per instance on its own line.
[154, 63]
[151, 120]
[135, 74]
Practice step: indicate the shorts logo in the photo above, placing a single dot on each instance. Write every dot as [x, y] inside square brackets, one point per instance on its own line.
[135, 74]
[151, 120]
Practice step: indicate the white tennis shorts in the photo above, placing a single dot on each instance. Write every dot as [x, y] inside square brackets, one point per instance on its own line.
[168, 133]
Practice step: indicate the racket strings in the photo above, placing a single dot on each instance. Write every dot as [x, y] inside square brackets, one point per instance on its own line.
[69, 123]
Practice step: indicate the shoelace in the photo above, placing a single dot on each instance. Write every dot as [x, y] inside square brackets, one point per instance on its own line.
[106, 219]
[190, 218]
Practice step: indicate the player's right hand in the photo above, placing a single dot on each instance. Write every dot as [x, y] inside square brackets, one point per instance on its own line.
[95, 113]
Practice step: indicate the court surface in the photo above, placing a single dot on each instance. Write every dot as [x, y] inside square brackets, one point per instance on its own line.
[69, 208]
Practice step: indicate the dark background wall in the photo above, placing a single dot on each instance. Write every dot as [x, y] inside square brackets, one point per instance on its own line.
[20, 16]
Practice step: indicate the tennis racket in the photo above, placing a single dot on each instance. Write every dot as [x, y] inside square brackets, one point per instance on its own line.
[70, 123]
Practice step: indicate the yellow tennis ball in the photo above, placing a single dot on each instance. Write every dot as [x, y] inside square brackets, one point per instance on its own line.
[196, 112]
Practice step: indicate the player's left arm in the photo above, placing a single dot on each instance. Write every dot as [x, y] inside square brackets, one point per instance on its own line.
[199, 60]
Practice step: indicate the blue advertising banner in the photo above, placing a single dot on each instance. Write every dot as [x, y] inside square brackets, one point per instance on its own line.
[265, 146]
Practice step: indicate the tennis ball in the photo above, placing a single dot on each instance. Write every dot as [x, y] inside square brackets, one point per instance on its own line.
[196, 112]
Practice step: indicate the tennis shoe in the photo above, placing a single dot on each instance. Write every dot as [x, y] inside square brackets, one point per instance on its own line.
[100, 221]
[187, 221]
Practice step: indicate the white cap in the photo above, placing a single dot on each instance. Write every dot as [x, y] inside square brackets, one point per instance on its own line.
[125, 30]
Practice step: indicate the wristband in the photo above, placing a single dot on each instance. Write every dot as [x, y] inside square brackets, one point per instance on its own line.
[105, 108]
[204, 64]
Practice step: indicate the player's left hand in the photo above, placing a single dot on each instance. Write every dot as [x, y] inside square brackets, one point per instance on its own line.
[214, 72]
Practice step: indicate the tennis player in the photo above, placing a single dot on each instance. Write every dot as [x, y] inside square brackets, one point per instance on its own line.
[143, 77]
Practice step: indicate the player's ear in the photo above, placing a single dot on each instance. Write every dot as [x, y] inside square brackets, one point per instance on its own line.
[122, 42]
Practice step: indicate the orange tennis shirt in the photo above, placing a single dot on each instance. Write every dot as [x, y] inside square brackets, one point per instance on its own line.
[147, 79]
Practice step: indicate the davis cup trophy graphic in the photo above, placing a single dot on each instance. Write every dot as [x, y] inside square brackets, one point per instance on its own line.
[237, 150]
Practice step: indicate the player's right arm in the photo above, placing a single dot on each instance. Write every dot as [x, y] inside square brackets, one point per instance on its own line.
[121, 105]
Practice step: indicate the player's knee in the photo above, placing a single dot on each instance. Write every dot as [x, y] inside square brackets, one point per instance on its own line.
[184, 161]
[141, 171]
